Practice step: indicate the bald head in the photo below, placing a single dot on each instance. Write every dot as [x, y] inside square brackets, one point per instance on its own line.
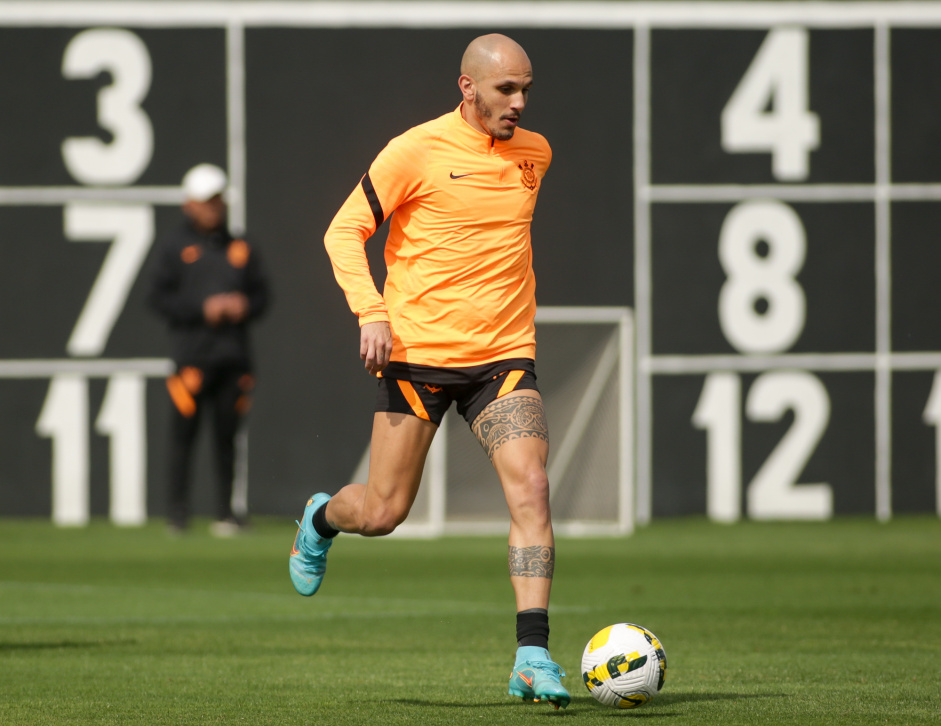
[495, 78]
[488, 53]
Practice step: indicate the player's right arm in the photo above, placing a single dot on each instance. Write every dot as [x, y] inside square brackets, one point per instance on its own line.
[167, 295]
[393, 178]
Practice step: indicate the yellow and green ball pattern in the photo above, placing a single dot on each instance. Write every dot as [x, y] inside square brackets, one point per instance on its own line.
[624, 665]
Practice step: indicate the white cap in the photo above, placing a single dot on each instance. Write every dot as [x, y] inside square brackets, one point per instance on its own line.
[203, 182]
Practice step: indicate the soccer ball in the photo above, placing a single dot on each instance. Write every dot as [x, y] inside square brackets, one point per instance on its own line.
[624, 665]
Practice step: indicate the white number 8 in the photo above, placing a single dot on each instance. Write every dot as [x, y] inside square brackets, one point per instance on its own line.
[762, 247]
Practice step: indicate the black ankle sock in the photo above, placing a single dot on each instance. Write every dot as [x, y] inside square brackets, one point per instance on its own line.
[319, 520]
[532, 627]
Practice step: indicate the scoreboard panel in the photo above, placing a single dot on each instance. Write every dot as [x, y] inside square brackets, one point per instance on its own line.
[820, 277]
[86, 186]
[759, 181]
[916, 137]
[757, 433]
[796, 82]
[786, 275]
[133, 90]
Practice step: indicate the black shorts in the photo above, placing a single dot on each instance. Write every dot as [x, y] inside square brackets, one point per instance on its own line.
[428, 391]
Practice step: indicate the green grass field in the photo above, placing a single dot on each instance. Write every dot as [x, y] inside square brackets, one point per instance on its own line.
[835, 623]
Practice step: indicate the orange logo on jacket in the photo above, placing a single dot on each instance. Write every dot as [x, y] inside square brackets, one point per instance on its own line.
[190, 254]
[529, 175]
[238, 253]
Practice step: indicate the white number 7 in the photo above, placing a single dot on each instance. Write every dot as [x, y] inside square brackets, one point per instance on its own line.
[132, 230]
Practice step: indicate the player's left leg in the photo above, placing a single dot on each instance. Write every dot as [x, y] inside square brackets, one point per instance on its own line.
[514, 433]
[406, 418]
[186, 394]
[231, 401]
[398, 448]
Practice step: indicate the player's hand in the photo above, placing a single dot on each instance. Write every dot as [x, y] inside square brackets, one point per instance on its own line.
[214, 309]
[236, 308]
[375, 345]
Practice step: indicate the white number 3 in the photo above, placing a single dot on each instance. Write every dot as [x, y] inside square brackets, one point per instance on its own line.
[122, 54]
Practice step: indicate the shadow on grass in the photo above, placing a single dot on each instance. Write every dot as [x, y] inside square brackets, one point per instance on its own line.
[543, 709]
[655, 710]
[452, 704]
[59, 644]
[689, 697]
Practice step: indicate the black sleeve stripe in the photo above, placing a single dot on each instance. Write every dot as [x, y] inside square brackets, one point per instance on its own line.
[373, 200]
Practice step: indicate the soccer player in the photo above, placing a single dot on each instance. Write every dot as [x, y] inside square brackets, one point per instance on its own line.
[455, 323]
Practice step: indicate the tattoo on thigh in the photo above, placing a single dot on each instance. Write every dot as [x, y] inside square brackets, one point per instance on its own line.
[506, 419]
[538, 561]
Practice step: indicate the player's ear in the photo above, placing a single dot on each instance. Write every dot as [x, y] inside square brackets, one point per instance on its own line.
[468, 87]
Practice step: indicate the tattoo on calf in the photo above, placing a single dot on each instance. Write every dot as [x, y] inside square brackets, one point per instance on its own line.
[538, 561]
[518, 417]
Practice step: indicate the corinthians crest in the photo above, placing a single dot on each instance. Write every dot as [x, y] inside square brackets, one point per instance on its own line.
[529, 175]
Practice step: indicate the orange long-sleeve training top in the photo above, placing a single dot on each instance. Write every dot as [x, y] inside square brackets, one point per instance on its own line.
[460, 289]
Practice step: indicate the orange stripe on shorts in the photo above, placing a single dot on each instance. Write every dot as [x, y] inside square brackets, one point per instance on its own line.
[411, 395]
[512, 378]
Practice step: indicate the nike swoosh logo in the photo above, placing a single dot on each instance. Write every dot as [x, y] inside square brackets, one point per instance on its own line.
[460, 176]
[294, 550]
[528, 681]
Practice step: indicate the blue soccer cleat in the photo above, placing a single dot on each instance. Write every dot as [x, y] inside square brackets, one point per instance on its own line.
[536, 677]
[309, 554]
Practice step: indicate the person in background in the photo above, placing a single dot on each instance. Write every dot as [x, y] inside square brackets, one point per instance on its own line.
[208, 286]
[455, 324]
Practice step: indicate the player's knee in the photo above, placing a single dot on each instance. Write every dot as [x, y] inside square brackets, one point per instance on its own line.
[377, 528]
[537, 484]
[532, 494]
[380, 522]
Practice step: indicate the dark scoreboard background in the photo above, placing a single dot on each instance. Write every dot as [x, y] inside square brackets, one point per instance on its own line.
[760, 183]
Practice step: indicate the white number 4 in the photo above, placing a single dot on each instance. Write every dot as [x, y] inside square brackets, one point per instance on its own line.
[768, 111]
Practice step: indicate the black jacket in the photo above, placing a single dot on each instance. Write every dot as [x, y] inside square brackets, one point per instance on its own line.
[188, 267]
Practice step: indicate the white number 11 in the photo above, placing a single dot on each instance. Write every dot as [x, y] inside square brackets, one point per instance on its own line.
[64, 419]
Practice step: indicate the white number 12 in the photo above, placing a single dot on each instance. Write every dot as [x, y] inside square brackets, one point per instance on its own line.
[774, 493]
[932, 417]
